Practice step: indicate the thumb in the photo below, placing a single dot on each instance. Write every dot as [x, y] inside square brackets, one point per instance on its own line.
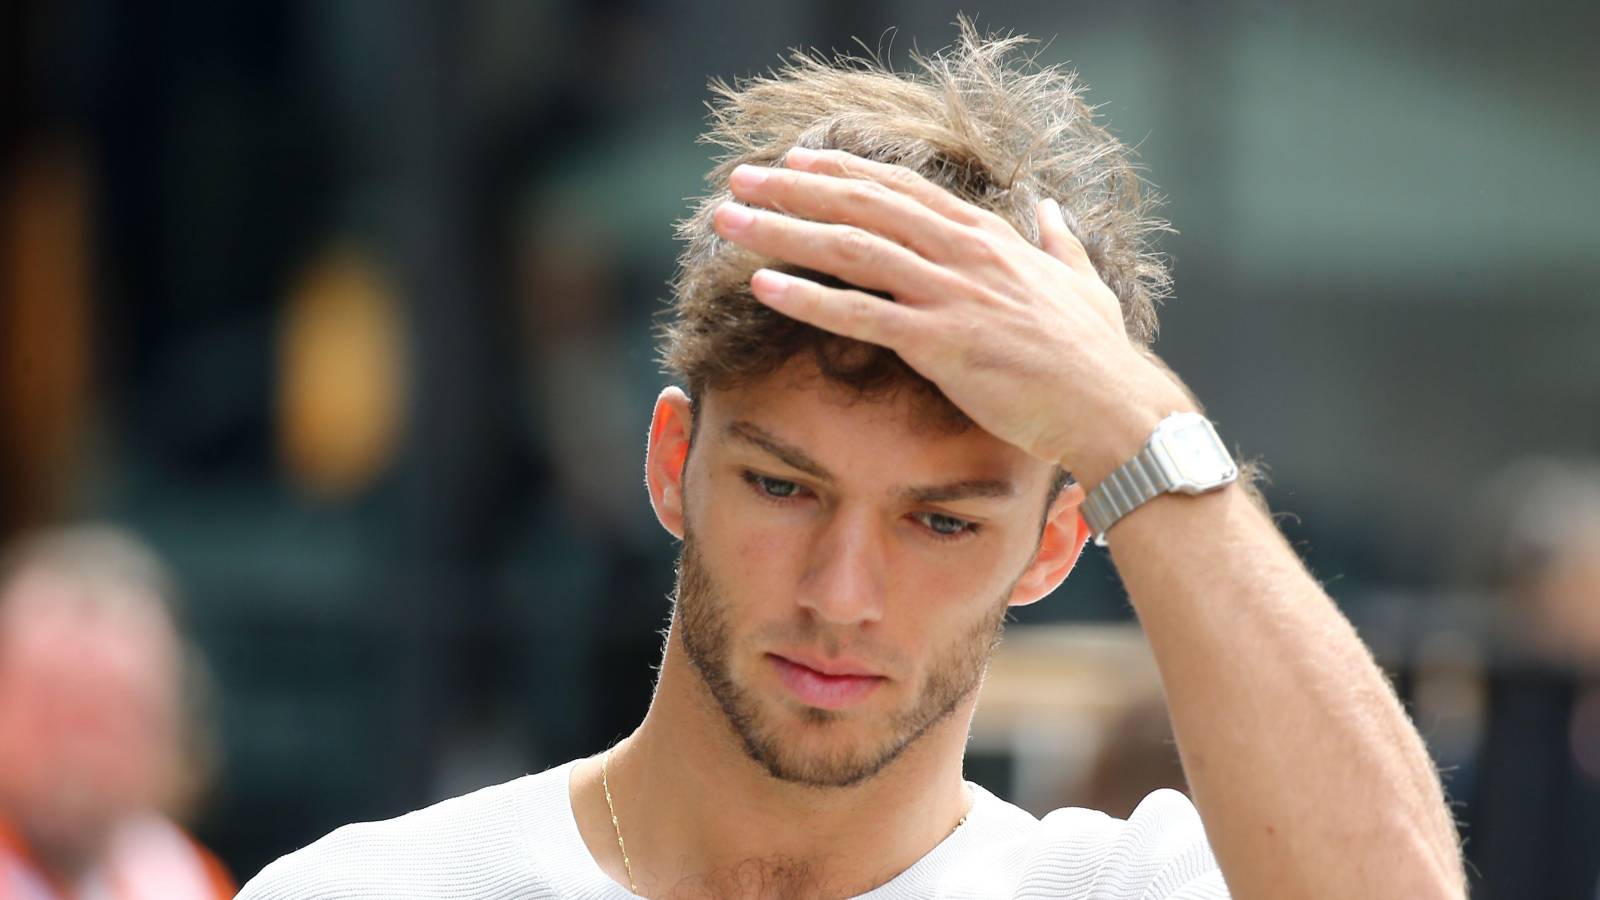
[1056, 239]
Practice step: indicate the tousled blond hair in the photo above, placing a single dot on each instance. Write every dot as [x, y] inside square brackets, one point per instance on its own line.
[980, 119]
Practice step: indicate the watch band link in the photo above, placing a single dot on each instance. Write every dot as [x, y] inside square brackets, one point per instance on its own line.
[1137, 481]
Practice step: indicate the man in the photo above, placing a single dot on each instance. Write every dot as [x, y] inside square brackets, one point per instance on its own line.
[93, 742]
[925, 301]
[1532, 792]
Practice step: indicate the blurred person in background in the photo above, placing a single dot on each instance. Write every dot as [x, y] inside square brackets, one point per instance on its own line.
[96, 739]
[1533, 556]
[863, 489]
[1137, 756]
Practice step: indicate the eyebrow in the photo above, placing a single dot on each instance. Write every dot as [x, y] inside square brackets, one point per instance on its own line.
[971, 489]
[792, 456]
[795, 458]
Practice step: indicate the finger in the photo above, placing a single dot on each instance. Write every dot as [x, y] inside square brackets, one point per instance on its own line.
[1056, 239]
[848, 313]
[901, 179]
[851, 254]
[853, 201]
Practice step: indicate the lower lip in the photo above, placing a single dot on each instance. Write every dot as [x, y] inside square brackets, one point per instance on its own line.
[825, 691]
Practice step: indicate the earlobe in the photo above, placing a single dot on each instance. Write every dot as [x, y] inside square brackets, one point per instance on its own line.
[667, 456]
[1060, 547]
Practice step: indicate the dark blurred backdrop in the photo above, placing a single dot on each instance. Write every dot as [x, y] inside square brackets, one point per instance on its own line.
[345, 307]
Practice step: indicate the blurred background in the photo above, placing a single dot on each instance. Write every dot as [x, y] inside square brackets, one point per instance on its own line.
[341, 311]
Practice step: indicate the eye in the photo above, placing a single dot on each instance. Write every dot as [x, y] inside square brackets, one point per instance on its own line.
[946, 527]
[771, 488]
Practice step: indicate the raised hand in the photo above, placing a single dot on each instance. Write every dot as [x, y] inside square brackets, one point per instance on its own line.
[1026, 340]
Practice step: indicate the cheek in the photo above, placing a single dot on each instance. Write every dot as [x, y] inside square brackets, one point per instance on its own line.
[956, 577]
[930, 613]
[744, 541]
[756, 564]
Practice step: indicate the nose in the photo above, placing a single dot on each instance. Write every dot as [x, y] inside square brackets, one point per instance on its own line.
[846, 572]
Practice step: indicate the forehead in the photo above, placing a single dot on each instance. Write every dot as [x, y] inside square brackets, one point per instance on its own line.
[51, 610]
[899, 437]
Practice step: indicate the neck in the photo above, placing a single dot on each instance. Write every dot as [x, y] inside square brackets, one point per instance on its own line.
[694, 808]
[62, 864]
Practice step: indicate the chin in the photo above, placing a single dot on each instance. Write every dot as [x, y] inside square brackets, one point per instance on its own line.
[819, 764]
[814, 747]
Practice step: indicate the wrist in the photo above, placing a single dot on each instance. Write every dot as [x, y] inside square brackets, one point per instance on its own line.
[1122, 429]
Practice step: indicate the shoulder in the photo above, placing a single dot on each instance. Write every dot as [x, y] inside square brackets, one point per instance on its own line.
[151, 853]
[473, 845]
[1160, 851]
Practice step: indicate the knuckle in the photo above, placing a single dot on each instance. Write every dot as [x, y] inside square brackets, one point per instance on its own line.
[809, 304]
[854, 245]
[830, 159]
[861, 313]
[892, 321]
[985, 248]
[903, 178]
[863, 193]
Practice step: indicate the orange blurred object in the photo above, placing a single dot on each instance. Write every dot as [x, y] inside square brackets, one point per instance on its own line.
[44, 330]
[341, 375]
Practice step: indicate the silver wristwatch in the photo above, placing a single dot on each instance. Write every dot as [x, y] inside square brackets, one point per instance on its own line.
[1184, 455]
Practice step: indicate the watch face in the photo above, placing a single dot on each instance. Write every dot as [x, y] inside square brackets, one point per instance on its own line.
[1197, 453]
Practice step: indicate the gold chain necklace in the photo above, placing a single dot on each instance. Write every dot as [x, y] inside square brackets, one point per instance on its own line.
[605, 784]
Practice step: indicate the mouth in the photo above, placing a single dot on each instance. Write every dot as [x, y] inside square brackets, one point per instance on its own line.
[825, 685]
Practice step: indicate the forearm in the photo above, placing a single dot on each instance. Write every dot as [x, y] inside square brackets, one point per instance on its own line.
[1309, 777]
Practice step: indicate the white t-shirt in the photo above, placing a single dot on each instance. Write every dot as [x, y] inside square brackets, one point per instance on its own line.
[520, 840]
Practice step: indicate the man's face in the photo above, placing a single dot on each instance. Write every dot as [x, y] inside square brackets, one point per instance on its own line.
[845, 569]
[89, 714]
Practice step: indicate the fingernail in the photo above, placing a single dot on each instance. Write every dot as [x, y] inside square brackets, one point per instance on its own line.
[748, 176]
[1054, 209]
[769, 282]
[735, 216]
[800, 156]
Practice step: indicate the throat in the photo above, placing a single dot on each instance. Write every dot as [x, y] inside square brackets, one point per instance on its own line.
[769, 878]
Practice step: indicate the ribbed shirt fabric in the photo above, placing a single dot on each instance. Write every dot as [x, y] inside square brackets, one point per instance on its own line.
[520, 840]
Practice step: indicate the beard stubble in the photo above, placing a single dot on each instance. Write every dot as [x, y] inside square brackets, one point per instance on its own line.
[700, 618]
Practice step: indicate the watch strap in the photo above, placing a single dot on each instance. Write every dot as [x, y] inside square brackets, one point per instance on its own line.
[1135, 483]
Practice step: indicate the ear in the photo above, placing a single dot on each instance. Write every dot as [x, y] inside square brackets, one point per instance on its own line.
[1065, 533]
[666, 457]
